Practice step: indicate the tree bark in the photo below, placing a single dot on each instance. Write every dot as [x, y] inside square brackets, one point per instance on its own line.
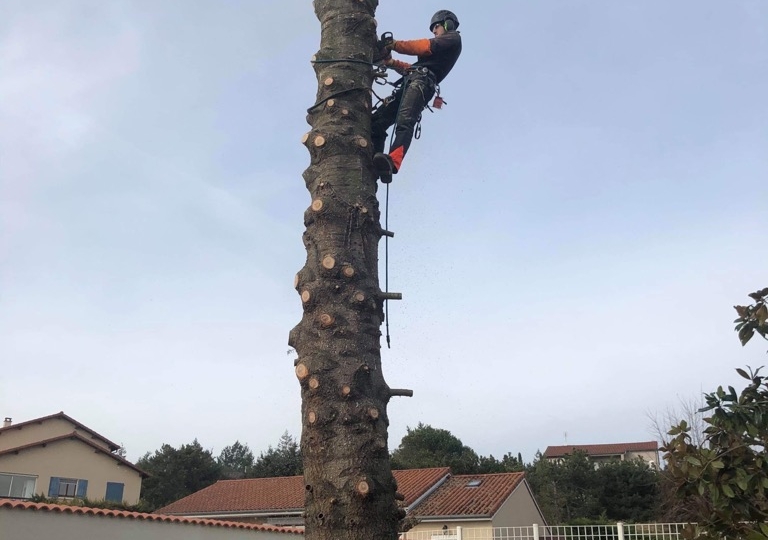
[350, 490]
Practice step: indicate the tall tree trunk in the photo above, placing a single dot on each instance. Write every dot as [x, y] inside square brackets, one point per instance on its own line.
[350, 491]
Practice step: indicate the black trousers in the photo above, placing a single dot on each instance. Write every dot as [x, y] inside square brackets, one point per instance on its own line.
[402, 108]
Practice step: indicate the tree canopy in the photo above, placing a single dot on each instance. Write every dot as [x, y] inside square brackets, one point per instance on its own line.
[573, 490]
[569, 491]
[508, 463]
[285, 460]
[723, 482]
[236, 460]
[176, 473]
[425, 446]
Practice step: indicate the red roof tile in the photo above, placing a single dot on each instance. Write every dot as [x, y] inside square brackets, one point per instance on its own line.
[284, 494]
[23, 505]
[601, 449]
[459, 497]
[77, 437]
[62, 416]
[414, 483]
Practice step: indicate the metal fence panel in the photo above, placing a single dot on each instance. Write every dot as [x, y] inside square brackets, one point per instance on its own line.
[580, 532]
[619, 531]
[654, 531]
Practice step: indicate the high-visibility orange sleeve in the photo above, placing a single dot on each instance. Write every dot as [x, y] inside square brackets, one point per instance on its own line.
[416, 47]
[397, 65]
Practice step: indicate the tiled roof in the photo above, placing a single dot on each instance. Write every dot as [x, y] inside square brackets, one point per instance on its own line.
[62, 416]
[413, 483]
[77, 437]
[284, 494]
[601, 449]
[476, 495]
[23, 505]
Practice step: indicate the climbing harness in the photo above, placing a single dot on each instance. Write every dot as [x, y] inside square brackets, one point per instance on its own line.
[380, 77]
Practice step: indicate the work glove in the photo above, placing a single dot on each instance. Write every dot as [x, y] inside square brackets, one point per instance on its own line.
[386, 41]
[381, 55]
[384, 47]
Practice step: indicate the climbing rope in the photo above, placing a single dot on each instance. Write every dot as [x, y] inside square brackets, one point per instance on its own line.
[386, 221]
[404, 82]
[380, 74]
[336, 60]
[386, 265]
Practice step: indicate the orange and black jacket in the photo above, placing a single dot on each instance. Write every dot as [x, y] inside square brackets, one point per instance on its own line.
[438, 54]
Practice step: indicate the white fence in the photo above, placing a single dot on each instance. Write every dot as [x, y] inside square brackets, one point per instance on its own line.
[619, 531]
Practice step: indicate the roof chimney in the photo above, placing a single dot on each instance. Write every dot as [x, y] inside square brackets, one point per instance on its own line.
[8, 421]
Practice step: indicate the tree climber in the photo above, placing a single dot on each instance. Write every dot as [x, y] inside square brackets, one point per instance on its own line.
[436, 57]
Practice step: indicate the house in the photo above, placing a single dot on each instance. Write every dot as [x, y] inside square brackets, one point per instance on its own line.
[25, 520]
[277, 501]
[648, 451]
[280, 501]
[479, 502]
[431, 496]
[58, 457]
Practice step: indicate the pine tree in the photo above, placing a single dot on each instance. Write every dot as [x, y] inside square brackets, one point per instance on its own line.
[350, 490]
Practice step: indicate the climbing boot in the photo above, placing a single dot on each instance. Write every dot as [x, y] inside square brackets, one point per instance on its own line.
[384, 166]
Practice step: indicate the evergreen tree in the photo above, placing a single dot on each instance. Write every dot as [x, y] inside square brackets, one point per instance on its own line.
[628, 491]
[350, 488]
[285, 460]
[176, 473]
[508, 463]
[425, 446]
[236, 460]
[573, 489]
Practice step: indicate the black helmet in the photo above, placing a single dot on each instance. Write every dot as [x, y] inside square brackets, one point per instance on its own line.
[442, 17]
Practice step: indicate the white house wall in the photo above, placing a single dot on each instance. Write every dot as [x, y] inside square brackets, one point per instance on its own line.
[650, 457]
[519, 510]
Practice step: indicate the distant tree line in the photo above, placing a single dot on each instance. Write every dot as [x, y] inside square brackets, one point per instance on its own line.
[178, 472]
[569, 491]
[574, 491]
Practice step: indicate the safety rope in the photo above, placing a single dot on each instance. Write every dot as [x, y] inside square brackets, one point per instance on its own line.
[335, 94]
[350, 60]
[378, 74]
[386, 208]
[386, 266]
[386, 220]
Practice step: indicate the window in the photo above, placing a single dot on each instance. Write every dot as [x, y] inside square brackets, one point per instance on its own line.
[17, 486]
[114, 492]
[67, 487]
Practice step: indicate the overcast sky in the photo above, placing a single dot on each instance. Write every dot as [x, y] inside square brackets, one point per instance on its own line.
[572, 229]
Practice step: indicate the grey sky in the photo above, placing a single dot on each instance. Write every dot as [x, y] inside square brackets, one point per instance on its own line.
[571, 231]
